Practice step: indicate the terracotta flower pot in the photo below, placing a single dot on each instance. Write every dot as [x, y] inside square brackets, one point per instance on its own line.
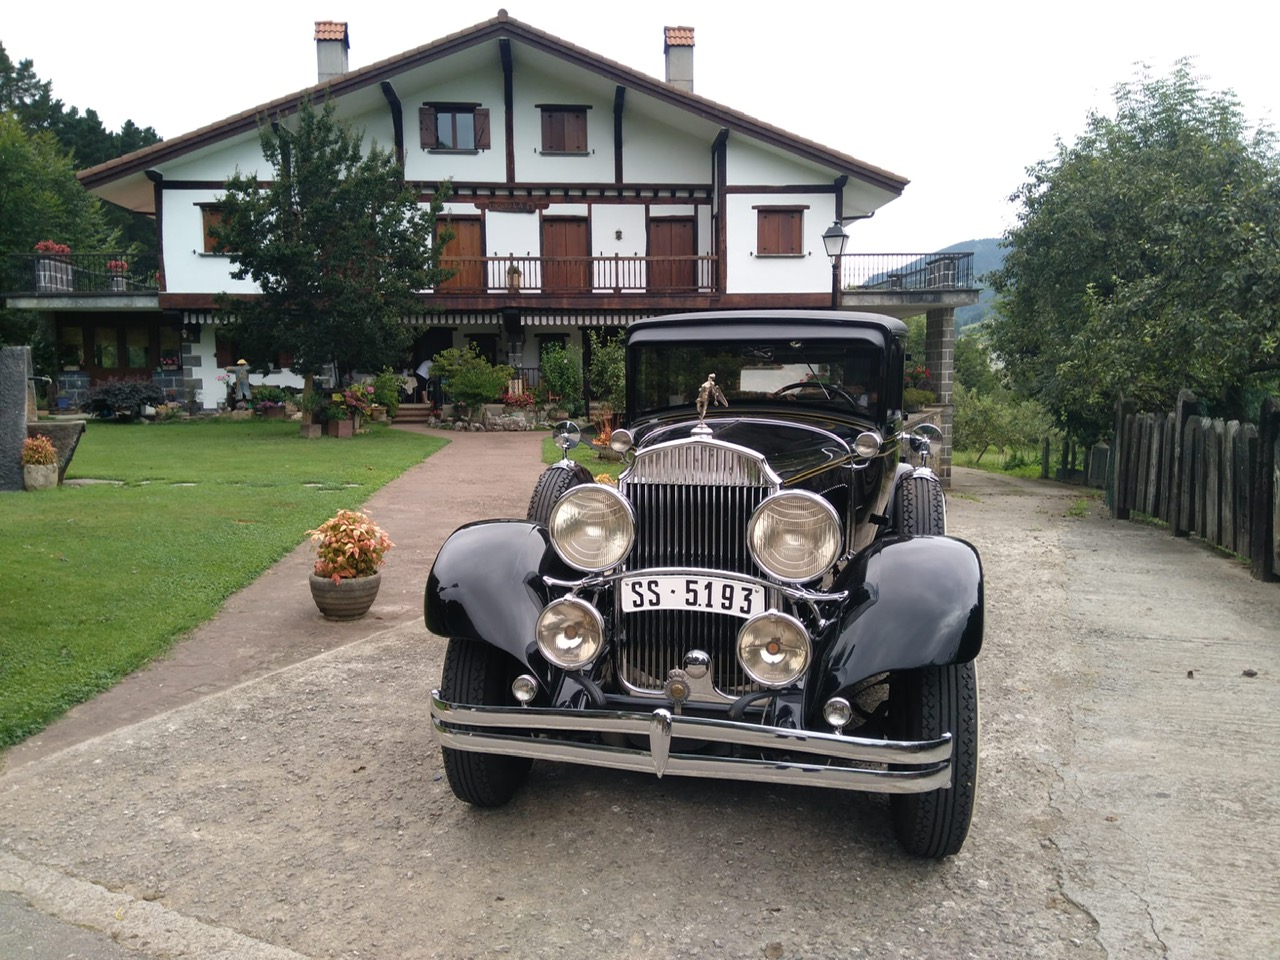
[347, 599]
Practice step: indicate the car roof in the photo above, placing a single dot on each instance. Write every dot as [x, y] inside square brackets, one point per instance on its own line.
[736, 324]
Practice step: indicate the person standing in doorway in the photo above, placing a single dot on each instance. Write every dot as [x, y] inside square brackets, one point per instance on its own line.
[423, 374]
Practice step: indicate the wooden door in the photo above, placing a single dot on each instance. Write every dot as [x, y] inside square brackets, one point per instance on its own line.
[672, 237]
[566, 252]
[464, 255]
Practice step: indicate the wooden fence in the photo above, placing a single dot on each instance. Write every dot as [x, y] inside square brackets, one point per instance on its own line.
[1217, 480]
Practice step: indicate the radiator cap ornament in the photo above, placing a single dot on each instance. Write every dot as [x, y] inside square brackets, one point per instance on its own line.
[708, 394]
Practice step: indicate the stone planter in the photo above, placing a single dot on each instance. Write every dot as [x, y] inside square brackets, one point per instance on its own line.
[312, 431]
[274, 413]
[347, 599]
[53, 276]
[39, 476]
[340, 428]
[118, 285]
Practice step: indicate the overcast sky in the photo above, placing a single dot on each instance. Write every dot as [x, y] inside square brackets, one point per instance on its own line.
[959, 97]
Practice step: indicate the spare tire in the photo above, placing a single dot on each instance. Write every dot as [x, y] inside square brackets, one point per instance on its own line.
[555, 480]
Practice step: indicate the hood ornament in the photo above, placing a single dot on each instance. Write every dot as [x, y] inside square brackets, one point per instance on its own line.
[708, 394]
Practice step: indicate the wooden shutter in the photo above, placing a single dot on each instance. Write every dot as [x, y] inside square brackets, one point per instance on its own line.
[575, 131]
[427, 126]
[482, 128]
[779, 232]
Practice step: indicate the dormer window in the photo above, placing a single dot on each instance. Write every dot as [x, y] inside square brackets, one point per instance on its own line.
[453, 127]
[564, 128]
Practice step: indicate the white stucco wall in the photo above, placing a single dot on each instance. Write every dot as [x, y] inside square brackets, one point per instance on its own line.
[748, 273]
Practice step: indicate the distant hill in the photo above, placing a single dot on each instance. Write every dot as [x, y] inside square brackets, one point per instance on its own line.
[988, 255]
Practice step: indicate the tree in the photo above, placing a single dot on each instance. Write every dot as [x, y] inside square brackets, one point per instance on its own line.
[40, 199]
[608, 370]
[1146, 258]
[469, 378]
[562, 377]
[337, 242]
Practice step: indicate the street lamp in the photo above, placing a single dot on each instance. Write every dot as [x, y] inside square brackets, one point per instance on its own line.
[835, 240]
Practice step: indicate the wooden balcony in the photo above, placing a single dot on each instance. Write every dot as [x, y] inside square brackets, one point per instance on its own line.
[560, 276]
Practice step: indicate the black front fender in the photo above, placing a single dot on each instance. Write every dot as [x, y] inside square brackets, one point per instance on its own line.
[914, 602]
[486, 585]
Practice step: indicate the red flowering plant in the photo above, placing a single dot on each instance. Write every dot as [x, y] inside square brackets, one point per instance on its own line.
[519, 400]
[355, 399]
[49, 246]
[117, 267]
[38, 451]
[917, 377]
[349, 545]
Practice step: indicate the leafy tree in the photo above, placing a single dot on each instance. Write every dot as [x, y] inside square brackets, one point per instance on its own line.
[608, 370]
[337, 243]
[30, 100]
[996, 419]
[469, 378]
[40, 199]
[973, 364]
[562, 376]
[1146, 259]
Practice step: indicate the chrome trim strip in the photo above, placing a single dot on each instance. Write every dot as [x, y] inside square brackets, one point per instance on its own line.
[931, 759]
[698, 461]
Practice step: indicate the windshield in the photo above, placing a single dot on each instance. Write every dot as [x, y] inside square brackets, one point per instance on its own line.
[841, 376]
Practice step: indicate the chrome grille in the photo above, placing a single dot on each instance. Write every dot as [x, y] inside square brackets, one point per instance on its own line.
[692, 501]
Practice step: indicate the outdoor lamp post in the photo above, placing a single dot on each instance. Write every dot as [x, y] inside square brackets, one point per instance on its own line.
[835, 240]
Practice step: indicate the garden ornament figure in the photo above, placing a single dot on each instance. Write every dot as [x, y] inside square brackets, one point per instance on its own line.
[240, 386]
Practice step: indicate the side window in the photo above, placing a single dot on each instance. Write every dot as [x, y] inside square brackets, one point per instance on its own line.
[210, 214]
[564, 129]
[780, 231]
[453, 127]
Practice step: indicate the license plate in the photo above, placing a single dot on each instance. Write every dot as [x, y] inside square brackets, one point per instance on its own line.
[707, 594]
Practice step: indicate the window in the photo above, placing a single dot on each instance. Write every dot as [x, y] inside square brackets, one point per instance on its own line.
[460, 127]
[210, 214]
[780, 231]
[564, 129]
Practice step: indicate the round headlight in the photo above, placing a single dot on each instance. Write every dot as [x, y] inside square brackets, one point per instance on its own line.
[592, 527]
[794, 536]
[774, 649]
[867, 444]
[570, 633]
[620, 441]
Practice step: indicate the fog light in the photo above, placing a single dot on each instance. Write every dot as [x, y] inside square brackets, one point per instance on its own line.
[774, 649]
[524, 688]
[837, 712]
[570, 633]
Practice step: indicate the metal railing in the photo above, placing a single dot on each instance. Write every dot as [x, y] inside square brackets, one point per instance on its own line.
[906, 271]
[554, 275]
[65, 274]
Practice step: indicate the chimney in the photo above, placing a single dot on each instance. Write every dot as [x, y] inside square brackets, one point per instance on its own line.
[332, 44]
[679, 51]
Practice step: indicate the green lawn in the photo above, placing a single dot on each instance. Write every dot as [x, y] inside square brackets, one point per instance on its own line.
[585, 454]
[1026, 463]
[101, 579]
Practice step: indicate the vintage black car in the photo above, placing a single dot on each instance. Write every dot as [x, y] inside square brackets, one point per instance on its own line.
[767, 594]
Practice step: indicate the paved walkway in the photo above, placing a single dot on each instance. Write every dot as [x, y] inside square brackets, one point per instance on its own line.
[273, 622]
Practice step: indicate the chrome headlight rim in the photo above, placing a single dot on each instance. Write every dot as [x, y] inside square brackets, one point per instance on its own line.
[562, 544]
[591, 615]
[868, 445]
[826, 508]
[806, 648]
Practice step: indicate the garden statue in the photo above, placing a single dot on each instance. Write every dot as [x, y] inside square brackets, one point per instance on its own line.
[239, 386]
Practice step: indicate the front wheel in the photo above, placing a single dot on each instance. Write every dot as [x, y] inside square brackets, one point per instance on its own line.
[477, 673]
[921, 508]
[924, 704]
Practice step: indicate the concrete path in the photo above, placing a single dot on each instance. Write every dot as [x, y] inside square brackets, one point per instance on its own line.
[1126, 806]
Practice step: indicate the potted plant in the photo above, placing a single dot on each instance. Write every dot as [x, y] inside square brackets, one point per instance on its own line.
[117, 269]
[514, 277]
[53, 274]
[39, 463]
[350, 549]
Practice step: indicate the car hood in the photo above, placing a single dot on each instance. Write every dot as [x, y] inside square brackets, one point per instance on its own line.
[793, 450]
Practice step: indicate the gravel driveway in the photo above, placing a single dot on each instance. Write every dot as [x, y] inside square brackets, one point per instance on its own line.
[1127, 800]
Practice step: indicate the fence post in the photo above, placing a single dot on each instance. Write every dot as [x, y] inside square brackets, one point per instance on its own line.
[1119, 456]
[1183, 410]
[1044, 459]
[1262, 560]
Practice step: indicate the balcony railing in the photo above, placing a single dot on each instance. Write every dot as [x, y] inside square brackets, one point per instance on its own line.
[79, 274]
[569, 275]
[906, 271]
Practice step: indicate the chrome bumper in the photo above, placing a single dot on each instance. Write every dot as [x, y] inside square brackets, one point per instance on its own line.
[532, 732]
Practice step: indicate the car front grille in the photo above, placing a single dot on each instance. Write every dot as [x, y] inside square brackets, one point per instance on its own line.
[692, 502]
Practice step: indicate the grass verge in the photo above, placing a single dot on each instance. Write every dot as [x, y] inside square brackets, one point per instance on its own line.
[103, 578]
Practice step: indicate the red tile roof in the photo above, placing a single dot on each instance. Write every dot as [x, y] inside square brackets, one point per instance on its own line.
[679, 36]
[330, 30]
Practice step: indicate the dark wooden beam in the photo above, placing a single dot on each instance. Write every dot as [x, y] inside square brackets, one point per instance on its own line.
[508, 106]
[619, 95]
[397, 120]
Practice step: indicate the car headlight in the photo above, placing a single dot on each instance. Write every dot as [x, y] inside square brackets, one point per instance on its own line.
[570, 633]
[774, 649]
[794, 536]
[592, 527]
